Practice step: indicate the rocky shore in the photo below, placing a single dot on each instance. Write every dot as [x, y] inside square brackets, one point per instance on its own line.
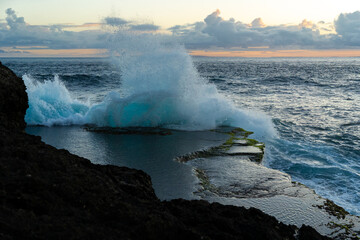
[47, 193]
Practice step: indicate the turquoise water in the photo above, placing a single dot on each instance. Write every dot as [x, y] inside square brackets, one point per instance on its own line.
[305, 109]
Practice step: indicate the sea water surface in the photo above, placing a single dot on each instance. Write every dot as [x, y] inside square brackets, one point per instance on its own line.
[306, 110]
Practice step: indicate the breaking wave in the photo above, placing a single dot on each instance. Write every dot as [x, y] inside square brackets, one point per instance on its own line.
[160, 87]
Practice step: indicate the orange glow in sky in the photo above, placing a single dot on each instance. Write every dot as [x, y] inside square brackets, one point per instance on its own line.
[279, 53]
[264, 53]
[60, 53]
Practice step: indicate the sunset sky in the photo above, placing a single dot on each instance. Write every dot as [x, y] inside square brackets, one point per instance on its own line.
[256, 28]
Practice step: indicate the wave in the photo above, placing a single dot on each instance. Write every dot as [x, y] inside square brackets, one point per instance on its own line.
[160, 87]
[50, 103]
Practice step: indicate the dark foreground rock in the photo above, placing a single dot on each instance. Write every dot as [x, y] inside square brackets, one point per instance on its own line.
[13, 100]
[46, 193]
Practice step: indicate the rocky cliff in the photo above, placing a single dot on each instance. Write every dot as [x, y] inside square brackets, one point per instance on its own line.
[13, 100]
[46, 193]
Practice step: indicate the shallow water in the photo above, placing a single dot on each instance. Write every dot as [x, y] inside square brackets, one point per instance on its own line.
[312, 102]
[153, 154]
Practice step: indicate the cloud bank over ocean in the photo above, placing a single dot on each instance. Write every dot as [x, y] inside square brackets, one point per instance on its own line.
[214, 32]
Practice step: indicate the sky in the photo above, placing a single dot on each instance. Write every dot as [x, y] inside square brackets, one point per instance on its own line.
[257, 28]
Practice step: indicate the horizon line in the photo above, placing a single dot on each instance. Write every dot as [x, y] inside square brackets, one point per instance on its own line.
[102, 53]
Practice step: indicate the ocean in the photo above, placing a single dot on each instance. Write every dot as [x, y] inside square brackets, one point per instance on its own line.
[306, 111]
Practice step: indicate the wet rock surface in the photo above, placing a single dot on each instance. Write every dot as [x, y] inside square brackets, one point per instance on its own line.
[238, 144]
[46, 193]
[231, 174]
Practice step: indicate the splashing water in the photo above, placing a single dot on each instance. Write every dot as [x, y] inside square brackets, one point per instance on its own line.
[160, 87]
[51, 103]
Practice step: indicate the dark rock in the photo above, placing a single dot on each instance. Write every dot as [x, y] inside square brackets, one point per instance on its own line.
[306, 232]
[46, 193]
[217, 221]
[13, 100]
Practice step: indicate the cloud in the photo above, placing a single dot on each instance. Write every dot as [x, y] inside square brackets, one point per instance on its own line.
[216, 32]
[144, 27]
[86, 25]
[16, 32]
[118, 23]
[258, 23]
[347, 25]
[12, 51]
[13, 21]
[115, 21]
[307, 24]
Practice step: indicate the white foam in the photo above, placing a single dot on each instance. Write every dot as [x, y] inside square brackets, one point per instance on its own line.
[51, 103]
[160, 87]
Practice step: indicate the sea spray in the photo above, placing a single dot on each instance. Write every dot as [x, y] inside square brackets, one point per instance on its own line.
[160, 87]
[51, 103]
